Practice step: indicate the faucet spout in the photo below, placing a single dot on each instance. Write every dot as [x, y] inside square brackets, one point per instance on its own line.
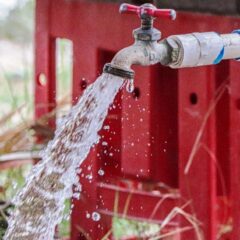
[144, 53]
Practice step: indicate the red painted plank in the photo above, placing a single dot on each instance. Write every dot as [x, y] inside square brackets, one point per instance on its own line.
[197, 173]
[235, 146]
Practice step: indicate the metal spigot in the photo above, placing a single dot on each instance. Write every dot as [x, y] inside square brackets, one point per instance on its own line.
[145, 51]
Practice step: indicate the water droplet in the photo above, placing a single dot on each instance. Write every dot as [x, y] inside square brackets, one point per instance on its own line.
[88, 215]
[76, 195]
[89, 168]
[106, 127]
[104, 143]
[14, 185]
[96, 216]
[89, 176]
[130, 86]
[101, 172]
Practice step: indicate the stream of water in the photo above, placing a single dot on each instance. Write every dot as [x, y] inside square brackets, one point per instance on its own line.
[40, 204]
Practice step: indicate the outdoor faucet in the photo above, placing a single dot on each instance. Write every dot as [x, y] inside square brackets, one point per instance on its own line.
[177, 51]
[146, 50]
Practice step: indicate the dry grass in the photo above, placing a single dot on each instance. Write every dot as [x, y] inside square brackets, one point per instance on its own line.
[225, 229]
[197, 144]
[163, 230]
[22, 137]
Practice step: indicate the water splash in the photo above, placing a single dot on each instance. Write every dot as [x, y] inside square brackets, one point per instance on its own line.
[96, 216]
[130, 85]
[40, 204]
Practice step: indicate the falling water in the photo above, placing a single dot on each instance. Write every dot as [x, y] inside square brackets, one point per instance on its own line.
[40, 204]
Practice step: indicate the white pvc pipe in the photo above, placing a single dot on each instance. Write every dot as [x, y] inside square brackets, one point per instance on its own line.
[231, 45]
[200, 49]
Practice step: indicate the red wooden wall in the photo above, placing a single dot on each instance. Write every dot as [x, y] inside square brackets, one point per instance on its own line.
[174, 117]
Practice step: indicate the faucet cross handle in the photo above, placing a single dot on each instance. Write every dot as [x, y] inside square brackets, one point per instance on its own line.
[147, 11]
